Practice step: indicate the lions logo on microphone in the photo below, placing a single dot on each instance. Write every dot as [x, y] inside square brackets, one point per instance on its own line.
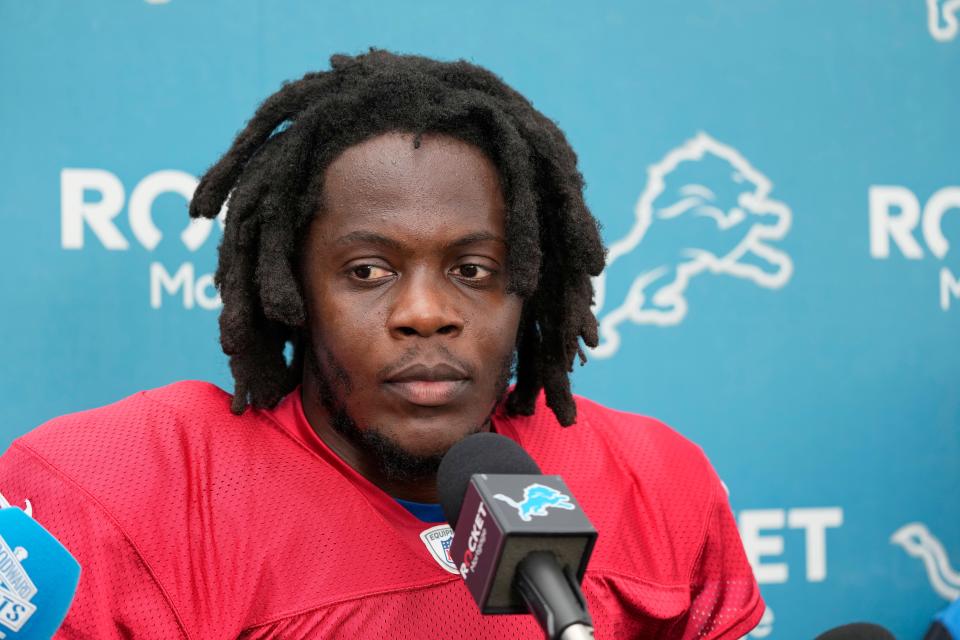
[536, 499]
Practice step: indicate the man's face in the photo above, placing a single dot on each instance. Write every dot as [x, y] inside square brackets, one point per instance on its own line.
[404, 270]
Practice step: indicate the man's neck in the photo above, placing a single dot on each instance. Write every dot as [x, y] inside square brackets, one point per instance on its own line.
[422, 489]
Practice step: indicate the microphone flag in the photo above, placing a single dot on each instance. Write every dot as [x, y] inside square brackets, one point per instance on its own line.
[38, 578]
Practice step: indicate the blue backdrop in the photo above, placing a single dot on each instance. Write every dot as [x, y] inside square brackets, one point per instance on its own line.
[779, 183]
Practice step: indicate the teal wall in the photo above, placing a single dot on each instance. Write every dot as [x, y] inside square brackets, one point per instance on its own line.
[807, 152]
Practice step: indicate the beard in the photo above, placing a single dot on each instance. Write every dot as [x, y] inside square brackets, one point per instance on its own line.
[394, 462]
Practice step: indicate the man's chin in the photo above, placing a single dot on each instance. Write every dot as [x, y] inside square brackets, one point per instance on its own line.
[416, 446]
[396, 462]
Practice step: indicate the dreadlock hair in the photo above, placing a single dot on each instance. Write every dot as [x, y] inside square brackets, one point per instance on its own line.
[272, 176]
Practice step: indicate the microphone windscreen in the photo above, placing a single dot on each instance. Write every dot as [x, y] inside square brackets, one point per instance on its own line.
[857, 631]
[479, 453]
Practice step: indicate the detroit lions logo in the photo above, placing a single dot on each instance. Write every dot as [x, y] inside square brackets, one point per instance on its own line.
[704, 209]
[942, 19]
[536, 499]
[917, 541]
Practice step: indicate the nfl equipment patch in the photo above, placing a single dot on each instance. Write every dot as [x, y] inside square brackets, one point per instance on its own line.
[438, 540]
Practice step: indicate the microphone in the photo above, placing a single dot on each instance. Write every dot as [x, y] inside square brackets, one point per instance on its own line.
[521, 542]
[857, 631]
[946, 624]
[38, 578]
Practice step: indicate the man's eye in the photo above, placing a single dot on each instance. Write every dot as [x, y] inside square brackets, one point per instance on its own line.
[370, 272]
[473, 271]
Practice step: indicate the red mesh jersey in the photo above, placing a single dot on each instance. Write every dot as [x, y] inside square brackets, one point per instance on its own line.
[190, 522]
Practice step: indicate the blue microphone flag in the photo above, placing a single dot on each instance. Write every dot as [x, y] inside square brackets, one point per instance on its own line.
[38, 578]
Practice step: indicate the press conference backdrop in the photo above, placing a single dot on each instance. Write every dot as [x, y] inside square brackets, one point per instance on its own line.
[779, 186]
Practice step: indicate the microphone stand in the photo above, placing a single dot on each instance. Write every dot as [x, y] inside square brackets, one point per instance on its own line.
[554, 597]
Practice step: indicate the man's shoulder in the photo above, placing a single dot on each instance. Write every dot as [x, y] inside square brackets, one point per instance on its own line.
[144, 414]
[151, 438]
[647, 489]
[656, 452]
[627, 426]
[609, 456]
[186, 391]
[604, 435]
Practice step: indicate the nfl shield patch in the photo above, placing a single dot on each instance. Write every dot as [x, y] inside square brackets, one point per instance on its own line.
[438, 540]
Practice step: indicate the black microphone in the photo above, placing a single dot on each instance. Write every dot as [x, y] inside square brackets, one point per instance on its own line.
[521, 542]
[857, 631]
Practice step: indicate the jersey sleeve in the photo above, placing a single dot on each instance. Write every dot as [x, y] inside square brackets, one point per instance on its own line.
[725, 599]
[118, 596]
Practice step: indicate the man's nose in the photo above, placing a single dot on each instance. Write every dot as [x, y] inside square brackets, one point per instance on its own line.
[424, 307]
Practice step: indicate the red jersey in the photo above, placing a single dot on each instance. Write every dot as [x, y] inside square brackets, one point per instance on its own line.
[191, 522]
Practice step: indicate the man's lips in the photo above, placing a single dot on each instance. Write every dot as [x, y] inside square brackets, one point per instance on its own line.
[428, 386]
[428, 393]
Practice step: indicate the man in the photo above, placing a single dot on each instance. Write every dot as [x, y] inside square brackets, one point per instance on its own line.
[400, 233]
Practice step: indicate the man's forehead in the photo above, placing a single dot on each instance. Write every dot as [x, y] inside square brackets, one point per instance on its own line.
[385, 192]
[389, 169]
[369, 236]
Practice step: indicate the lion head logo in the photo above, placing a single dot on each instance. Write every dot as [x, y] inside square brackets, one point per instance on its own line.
[705, 209]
